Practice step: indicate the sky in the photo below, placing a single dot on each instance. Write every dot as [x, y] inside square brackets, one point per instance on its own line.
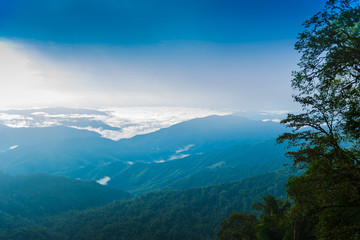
[225, 54]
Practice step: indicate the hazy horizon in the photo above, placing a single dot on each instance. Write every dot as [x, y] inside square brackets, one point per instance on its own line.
[204, 54]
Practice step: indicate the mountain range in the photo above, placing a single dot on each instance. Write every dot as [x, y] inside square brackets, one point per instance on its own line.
[183, 155]
[42, 206]
[67, 181]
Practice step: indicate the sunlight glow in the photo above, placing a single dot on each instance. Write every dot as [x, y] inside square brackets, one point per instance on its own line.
[23, 81]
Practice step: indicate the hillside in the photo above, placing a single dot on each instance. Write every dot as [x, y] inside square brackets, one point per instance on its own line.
[43, 195]
[152, 161]
[222, 165]
[50, 207]
[180, 214]
[26, 199]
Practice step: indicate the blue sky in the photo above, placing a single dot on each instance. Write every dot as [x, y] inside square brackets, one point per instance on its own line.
[201, 53]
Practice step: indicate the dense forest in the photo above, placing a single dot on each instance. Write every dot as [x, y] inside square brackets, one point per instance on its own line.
[25, 199]
[171, 214]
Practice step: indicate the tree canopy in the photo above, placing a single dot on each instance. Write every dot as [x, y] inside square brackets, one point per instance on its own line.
[273, 223]
[325, 140]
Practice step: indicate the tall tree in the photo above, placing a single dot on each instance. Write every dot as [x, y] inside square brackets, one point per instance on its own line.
[239, 226]
[325, 140]
[274, 224]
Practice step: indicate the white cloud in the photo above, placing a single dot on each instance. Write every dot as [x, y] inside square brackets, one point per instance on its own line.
[17, 124]
[180, 156]
[184, 149]
[110, 134]
[141, 120]
[272, 120]
[274, 112]
[38, 113]
[104, 180]
[9, 117]
[127, 121]
[276, 120]
[183, 73]
[159, 161]
[24, 121]
[13, 147]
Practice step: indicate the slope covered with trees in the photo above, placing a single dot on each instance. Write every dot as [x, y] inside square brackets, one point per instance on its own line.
[272, 224]
[25, 201]
[325, 139]
[199, 170]
[176, 214]
[34, 211]
[42, 194]
[87, 155]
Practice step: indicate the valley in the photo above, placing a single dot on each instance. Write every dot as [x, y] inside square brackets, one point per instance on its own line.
[177, 181]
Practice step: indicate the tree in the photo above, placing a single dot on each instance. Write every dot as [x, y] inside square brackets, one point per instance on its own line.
[239, 226]
[325, 140]
[274, 224]
[272, 206]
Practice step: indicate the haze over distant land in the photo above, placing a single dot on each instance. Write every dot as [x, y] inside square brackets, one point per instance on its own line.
[112, 123]
[204, 54]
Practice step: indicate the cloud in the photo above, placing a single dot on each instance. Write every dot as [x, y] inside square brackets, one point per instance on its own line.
[104, 180]
[10, 117]
[13, 147]
[184, 149]
[274, 112]
[111, 123]
[272, 120]
[159, 161]
[142, 120]
[149, 53]
[178, 156]
[179, 153]
[191, 74]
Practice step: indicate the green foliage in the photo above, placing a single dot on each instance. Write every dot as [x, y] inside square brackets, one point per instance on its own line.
[49, 207]
[326, 137]
[273, 224]
[18, 228]
[272, 206]
[224, 165]
[273, 228]
[239, 226]
[180, 214]
[43, 194]
[28, 201]
[198, 170]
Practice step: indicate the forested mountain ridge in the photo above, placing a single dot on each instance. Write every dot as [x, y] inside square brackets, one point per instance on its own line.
[42, 194]
[171, 214]
[79, 147]
[26, 199]
[157, 160]
[223, 165]
[186, 156]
